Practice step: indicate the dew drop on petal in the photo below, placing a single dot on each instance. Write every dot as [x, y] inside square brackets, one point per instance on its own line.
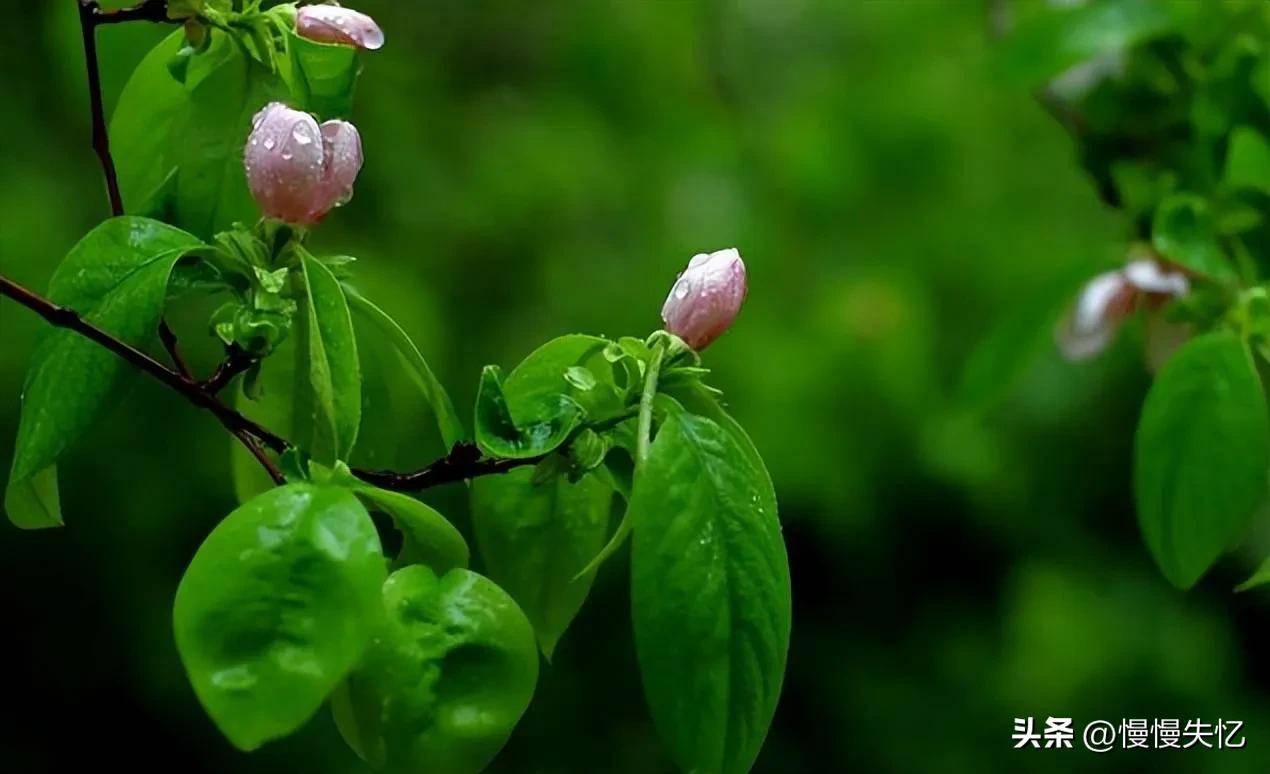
[270, 143]
[681, 290]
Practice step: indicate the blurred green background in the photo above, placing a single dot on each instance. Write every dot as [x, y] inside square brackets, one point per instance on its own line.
[532, 171]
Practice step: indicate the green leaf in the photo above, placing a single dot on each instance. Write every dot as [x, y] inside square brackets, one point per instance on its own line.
[377, 321]
[710, 595]
[149, 107]
[273, 406]
[446, 678]
[429, 538]
[178, 145]
[546, 397]
[1259, 578]
[1184, 232]
[277, 607]
[499, 433]
[325, 74]
[116, 278]
[1054, 39]
[556, 368]
[536, 538]
[1248, 160]
[1201, 456]
[329, 403]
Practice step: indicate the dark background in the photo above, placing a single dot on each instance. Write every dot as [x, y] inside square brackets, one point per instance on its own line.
[533, 170]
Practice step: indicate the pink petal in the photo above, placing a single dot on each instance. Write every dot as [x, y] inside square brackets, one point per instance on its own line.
[1103, 304]
[341, 26]
[341, 163]
[283, 161]
[706, 298]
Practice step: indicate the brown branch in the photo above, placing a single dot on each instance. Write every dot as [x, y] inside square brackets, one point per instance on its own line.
[90, 17]
[168, 337]
[463, 462]
[150, 10]
[236, 361]
[67, 318]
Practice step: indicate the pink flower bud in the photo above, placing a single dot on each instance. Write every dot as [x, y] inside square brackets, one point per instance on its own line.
[1109, 299]
[706, 298]
[298, 170]
[342, 26]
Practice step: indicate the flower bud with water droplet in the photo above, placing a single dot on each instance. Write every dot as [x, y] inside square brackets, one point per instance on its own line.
[706, 298]
[297, 169]
[341, 26]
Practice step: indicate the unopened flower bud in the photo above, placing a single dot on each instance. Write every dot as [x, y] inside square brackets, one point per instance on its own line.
[341, 26]
[1108, 299]
[706, 298]
[297, 169]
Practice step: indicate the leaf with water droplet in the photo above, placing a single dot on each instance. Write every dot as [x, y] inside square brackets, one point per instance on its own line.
[277, 606]
[535, 537]
[449, 672]
[500, 434]
[710, 595]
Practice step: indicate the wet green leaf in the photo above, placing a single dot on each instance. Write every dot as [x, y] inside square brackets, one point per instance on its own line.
[277, 606]
[446, 679]
[710, 595]
[536, 537]
[116, 278]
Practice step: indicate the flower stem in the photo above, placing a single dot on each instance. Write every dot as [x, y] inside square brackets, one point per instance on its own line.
[645, 428]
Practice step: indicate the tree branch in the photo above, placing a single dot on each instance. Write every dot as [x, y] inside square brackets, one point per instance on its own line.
[90, 17]
[236, 361]
[463, 462]
[67, 318]
[150, 10]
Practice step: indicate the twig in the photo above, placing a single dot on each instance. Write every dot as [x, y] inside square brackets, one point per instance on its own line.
[151, 10]
[67, 318]
[90, 17]
[236, 361]
[463, 462]
[169, 343]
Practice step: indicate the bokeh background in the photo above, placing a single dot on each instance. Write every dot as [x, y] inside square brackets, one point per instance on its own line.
[537, 170]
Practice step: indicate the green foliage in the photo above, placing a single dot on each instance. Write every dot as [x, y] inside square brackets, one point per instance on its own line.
[1167, 105]
[1046, 43]
[323, 77]
[1184, 232]
[710, 595]
[1260, 578]
[116, 278]
[427, 537]
[178, 139]
[288, 602]
[329, 401]
[501, 434]
[536, 537]
[1248, 161]
[276, 608]
[1201, 456]
[447, 676]
[380, 326]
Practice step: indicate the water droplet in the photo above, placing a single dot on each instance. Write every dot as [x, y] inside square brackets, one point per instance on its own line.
[287, 155]
[270, 143]
[238, 678]
[682, 290]
[301, 134]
